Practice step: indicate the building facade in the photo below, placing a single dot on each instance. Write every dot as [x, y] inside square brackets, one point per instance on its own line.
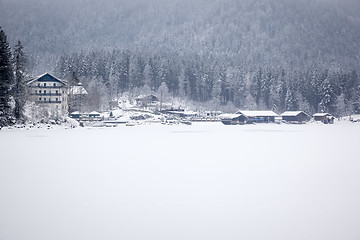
[49, 91]
[77, 98]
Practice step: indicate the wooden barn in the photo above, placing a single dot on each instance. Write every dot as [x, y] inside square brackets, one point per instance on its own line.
[295, 117]
[324, 117]
[259, 116]
[233, 119]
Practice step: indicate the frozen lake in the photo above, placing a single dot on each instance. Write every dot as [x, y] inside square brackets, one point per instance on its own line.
[204, 181]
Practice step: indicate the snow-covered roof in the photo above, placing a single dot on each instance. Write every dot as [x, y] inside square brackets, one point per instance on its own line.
[258, 113]
[76, 90]
[355, 116]
[43, 75]
[189, 113]
[229, 116]
[183, 112]
[212, 111]
[321, 114]
[75, 113]
[94, 113]
[291, 113]
[146, 98]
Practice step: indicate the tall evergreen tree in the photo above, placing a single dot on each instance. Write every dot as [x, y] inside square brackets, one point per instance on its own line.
[6, 75]
[356, 104]
[19, 89]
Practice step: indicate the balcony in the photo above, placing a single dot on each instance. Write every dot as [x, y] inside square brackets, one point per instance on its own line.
[45, 94]
[48, 87]
[52, 101]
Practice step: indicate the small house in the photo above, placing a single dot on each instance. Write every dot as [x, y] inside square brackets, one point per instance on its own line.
[94, 114]
[259, 116]
[77, 97]
[295, 117]
[147, 100]
[75, 115]
[324, 117]
[233, 119]
[180, 113]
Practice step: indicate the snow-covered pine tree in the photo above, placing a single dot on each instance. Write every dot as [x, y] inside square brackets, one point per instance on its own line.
[163, 92]
[113, 83]
[255, 87]
[290, 100]
[327, 96]
[19, 89]
[356, 103]
[6, 78]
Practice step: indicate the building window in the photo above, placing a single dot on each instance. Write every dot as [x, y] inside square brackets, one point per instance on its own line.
[57, 91]
[38, 84]
[63, 92]
[40, 99]
[44, 84]
[44, 99]
[57, 99]
[39, 91]
[54, 84]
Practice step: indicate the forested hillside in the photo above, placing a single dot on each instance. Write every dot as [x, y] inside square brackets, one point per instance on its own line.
[265, 54]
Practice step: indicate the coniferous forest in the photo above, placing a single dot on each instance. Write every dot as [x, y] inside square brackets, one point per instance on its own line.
[224, 54]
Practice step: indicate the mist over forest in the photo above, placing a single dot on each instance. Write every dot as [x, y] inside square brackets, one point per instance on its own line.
[258, 54]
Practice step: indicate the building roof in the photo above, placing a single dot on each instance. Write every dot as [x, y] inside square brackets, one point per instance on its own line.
[321, 114]
[46, 76]
[212, 111]
[292, 113]
[149, 97]
[78, 90]
[94, 113]
[258, 113]
[183, 112]
[229, 116]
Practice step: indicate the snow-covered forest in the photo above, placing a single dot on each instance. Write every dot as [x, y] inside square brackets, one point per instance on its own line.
[254, 54]
[129, 119]
[221, 83]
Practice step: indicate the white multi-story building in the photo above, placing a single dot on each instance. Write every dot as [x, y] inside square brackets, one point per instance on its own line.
[49, 91]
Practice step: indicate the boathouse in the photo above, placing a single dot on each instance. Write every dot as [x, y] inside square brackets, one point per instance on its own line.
[295, 117]
[233, 119]
[258, 116]
[324, 117]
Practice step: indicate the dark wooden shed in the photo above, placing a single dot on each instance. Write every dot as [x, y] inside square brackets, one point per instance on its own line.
[233, 119]
[295, 117]
[324, 117]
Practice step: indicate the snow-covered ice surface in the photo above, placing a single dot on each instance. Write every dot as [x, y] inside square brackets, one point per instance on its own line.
[204, 181]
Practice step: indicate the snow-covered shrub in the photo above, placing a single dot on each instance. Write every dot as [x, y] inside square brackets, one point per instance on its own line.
[72, 123]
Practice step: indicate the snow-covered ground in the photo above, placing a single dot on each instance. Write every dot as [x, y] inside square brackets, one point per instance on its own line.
[203, 181]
